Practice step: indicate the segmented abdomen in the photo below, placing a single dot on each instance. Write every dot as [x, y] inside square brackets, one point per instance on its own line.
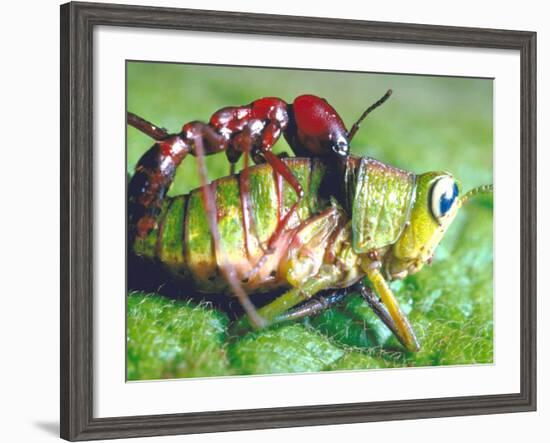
[182, 240]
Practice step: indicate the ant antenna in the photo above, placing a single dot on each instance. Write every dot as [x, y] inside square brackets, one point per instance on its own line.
[371, 108]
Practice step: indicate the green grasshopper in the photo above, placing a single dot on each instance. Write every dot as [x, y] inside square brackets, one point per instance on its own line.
[252, 232]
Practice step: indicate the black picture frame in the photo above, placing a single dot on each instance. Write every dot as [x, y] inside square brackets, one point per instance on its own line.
[77, 219]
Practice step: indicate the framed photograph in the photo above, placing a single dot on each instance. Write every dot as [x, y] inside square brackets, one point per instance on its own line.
[273, 221]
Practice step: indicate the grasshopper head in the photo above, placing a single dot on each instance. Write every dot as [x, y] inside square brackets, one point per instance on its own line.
[434, 209]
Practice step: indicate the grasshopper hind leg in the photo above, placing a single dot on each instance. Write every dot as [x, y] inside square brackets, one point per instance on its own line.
[314, 306]
[282, 304]
[332, 298]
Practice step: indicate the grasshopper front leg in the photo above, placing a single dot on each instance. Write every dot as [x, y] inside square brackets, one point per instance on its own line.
[401, 325]
[305, 268]
[270, 313]
[387, 310]
[324, 259]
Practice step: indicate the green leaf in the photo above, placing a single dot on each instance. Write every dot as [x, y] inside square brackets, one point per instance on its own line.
[430, 123]
[283, 349]
[169, 339]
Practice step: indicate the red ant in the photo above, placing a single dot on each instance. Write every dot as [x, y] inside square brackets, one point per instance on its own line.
[310, 125]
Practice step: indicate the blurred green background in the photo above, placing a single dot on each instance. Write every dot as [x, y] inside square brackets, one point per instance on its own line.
[429, 123]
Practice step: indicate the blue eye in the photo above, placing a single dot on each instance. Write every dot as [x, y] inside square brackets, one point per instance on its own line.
[443, 196]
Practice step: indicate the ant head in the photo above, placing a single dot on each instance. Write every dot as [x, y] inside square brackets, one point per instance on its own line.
[340, 146]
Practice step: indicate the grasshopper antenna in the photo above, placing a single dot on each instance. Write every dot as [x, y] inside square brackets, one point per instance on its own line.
[479, 190]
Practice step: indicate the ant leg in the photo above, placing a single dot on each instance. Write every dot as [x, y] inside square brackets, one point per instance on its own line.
[371, 108]
[270, 135]
[258, 140]
[244, 143]
[226, 267]
[262, 121]
[314, 235]
[154, 174]
[212, 142]
[233, 156]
